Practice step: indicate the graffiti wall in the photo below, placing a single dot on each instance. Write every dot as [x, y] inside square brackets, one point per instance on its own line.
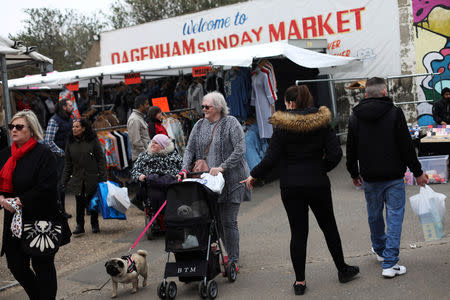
[432, 44]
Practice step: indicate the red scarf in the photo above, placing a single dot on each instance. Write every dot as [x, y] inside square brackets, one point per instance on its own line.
[159, 128]
[7, 171]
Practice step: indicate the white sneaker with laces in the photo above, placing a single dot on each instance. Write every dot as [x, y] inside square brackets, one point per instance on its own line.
[379, 258]
[394, 270]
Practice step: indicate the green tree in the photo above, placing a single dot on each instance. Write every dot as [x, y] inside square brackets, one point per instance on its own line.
[132, 12]
[64, 36]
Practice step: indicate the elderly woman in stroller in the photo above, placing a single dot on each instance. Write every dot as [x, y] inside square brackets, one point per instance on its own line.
[155, 169]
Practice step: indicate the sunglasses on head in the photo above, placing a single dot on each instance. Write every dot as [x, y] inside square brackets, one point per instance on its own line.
[19, 127]
[206, 107]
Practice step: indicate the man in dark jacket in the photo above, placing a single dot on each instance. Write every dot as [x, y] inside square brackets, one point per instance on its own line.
[441, 108]
[378, 139]
[58, 129]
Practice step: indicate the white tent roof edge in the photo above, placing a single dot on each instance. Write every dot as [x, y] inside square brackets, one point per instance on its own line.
[9, 47]
[241, 56]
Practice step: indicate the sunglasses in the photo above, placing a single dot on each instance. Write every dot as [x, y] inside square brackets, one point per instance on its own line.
[206, 107]
[19, 127]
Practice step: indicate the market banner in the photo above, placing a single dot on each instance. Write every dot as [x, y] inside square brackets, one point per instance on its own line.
[200, 71]
[366, 29]
[73, 86]
[132, 78]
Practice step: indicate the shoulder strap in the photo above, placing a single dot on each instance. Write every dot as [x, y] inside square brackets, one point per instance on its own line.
[210, 140]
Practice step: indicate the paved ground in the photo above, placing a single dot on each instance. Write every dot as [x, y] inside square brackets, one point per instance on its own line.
[266, 271]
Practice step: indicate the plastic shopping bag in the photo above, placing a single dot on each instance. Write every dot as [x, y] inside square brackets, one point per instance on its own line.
[430, 207]
[117, 197]
[99, 203]
[214, 183]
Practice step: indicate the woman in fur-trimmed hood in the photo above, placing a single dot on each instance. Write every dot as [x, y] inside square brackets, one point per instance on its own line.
[306, 147]
[160, 158]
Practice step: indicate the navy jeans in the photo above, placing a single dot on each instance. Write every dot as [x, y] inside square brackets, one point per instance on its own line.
[392, 195]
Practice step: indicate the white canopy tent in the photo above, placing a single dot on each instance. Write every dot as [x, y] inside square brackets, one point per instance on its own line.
[18, 55]
[241, 56]
[12, 55]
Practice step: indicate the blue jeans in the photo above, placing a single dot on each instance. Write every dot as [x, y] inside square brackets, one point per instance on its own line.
[392, 194]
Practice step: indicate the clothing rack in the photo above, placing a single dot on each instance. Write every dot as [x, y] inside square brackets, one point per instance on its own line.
[179, 110]
[111, 106]
[110, 128]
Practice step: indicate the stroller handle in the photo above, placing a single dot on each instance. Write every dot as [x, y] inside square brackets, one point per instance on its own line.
[195, 173]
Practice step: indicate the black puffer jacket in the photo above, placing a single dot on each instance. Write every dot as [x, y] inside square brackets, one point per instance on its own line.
[305, 146]
[379, 139]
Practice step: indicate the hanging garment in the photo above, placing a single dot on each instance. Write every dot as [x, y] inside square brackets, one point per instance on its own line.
[255, 148]
[175, 131]
[122, 151]
[115, 150]
[273, 78]
[238, 86]
[125, 135]
[262, 100]
[269, 78]
[108, 146]
[195, 97]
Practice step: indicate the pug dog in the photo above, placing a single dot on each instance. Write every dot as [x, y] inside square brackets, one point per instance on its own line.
[127, 269]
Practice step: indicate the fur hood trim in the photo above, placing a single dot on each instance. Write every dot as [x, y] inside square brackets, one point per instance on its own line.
[301, 122]
[164, 152]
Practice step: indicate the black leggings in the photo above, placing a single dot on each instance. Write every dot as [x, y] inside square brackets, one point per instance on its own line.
[296, 201]
[39, 283]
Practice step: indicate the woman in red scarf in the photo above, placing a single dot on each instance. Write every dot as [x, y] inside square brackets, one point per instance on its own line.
[155, 122]
[28, 177]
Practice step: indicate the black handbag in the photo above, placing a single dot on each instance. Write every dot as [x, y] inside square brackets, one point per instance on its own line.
[41, 237]
[66, 233]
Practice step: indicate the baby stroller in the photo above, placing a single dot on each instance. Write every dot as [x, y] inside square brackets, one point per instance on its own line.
[154, 191]
[192, 235]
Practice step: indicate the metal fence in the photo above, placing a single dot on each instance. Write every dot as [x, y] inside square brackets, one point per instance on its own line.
[395, 87]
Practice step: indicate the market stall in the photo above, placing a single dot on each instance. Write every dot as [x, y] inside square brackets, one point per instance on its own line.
[13, 55]
[436, 141]
[241, 57]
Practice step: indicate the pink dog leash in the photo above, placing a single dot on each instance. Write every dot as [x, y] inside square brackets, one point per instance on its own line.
[148, 225]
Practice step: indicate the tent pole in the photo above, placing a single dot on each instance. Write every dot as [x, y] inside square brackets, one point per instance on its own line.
[102, 92]
[333, 96]
[6, 100]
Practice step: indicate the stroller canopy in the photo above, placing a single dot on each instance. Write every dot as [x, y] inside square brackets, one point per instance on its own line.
[190, 203]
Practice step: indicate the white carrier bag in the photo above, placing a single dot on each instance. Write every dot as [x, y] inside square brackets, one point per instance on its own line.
[118, 197]
[214, 183]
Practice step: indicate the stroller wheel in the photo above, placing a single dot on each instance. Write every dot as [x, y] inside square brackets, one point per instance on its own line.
[231, 272]
[212, 289]
[162, 290]
[149, 232]
[172, 290]
[202, 290]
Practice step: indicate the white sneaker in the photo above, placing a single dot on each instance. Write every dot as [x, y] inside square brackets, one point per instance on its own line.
[394, 270]
[379, 258]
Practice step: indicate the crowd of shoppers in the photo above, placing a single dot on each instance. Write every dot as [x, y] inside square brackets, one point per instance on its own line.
[34, 175]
